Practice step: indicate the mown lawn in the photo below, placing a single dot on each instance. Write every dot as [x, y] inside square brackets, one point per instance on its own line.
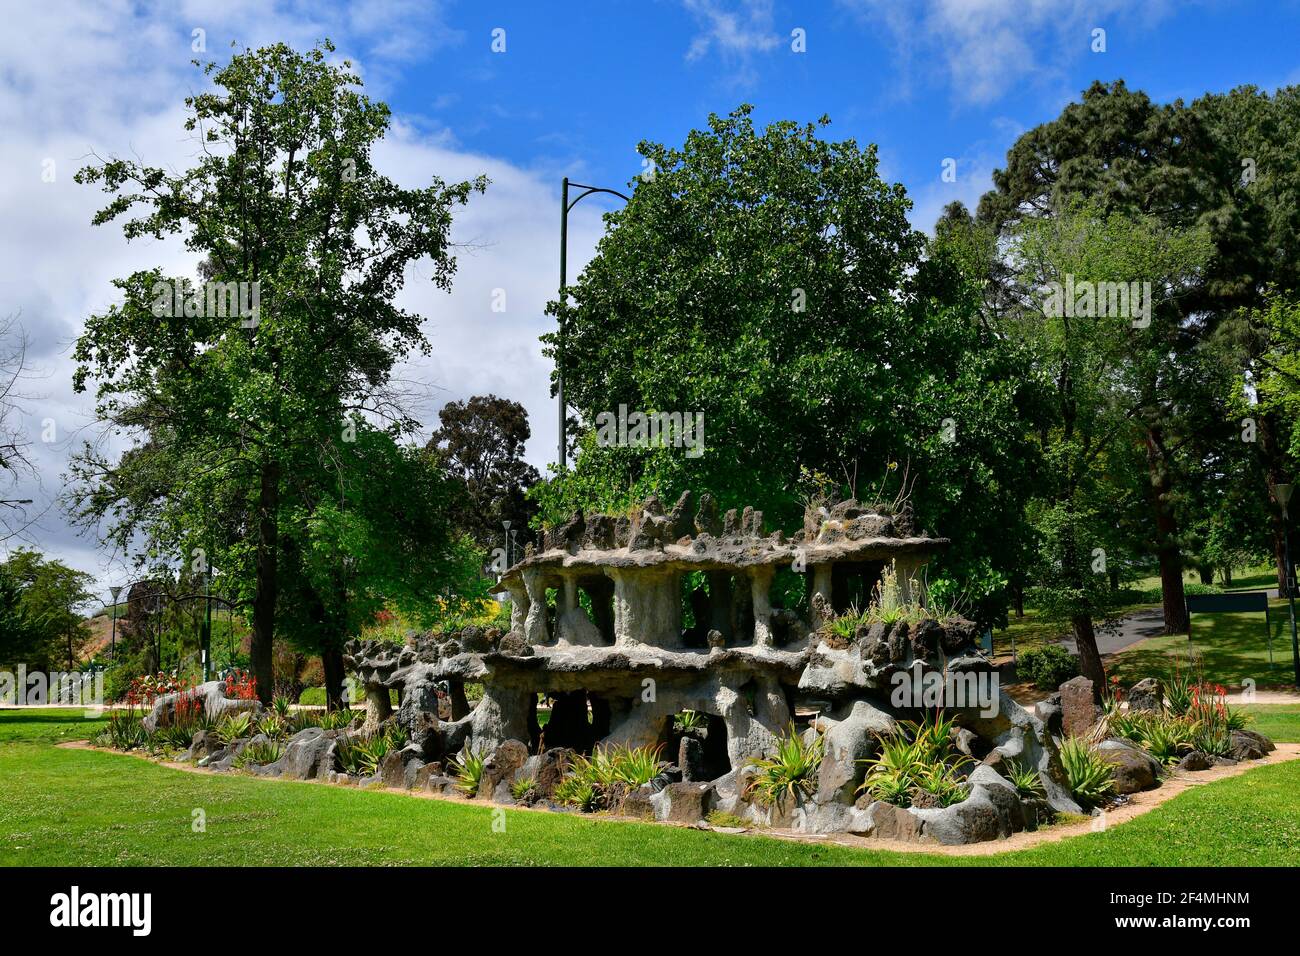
[1231, 647]
[70, 807]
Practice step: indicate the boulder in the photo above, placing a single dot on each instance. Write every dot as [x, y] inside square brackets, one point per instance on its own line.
[514, 645]
[548, 769]
[1195, 761]
[1048, 711]
[681, 802]
[1079, 710]
[1134, 769]
[1147, 694]
[888, 822]
[1249, 745]
[637, 804]
[501, 765]
[308, 755]
[992, 811]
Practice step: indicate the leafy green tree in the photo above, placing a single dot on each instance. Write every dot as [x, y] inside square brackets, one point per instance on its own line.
[226, 407]
[770, 282]
[46, 601]
[481, 443]
[370, 529]
[1225, 164]
[1109, 369]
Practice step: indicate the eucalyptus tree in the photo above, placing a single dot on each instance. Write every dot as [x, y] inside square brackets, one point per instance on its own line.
[286, 214]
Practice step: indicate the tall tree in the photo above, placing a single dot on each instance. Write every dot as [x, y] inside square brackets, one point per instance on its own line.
[284, 198]
[769, 282]
[481, 443]
[1124, 154]
[50, 606]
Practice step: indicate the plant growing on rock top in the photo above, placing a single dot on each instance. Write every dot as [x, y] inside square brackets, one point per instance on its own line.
[689, 720]
[1090, 778]
[790, 771]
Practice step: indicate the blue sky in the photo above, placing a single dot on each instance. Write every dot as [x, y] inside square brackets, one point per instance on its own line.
[578, 85]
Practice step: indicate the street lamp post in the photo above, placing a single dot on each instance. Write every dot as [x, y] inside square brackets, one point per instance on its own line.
[565, 206]
[1283, 495]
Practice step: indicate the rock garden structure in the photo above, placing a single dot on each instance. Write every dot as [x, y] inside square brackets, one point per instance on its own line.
[658, 632]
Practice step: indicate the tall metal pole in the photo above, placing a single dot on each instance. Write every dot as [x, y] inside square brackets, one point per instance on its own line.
[561, 453]
[205, 645]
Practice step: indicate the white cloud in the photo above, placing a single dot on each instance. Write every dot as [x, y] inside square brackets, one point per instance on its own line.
[108, 77]
[736, 31]
[984, 48]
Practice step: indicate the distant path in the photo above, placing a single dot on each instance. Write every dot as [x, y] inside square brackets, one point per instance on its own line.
[1130, 629]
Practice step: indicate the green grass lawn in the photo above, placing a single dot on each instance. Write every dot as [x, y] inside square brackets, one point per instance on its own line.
[1232, 648]
[70, 807]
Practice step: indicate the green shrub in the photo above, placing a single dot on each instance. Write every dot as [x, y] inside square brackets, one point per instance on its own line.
[468, 767]
[1156, 594]
[259, 753]
[523, 788]
[1047, 667]
[126, 729]
[274, 726]
[1089, 777]
[1025, 779]
[579, 792]
[919, 758]
[347, 751]
[373, 752]
[235, 726]
[790, 771]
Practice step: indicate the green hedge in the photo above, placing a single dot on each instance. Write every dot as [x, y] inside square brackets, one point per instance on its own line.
[1048, 666]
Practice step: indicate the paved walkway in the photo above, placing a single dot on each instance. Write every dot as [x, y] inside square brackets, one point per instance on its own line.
[1137, 626]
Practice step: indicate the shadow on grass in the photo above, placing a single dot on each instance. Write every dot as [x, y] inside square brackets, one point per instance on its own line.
[1232, 648]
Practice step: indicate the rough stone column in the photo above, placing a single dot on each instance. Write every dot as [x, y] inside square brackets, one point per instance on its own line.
[379, 706]
[760, 578]
[569, 594]
[518, 606]
[535, 631]
[822, 585]
[647, 607]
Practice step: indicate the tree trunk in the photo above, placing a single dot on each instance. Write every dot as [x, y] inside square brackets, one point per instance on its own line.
[1206, 572]
[331, 658]
[1171, 559]
[1090, 666]
[1273, 470]
[1227, 577]
[1114, 579]
[264, 600]
[1018, 593]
